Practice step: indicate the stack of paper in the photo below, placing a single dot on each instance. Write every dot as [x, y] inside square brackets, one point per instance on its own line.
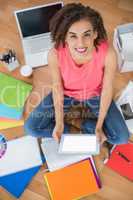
[19, 164]
[13, 94]
[9, 123]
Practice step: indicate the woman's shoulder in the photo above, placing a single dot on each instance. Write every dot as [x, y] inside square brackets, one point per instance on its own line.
[52, 56]
[111, 52]
[111, 57]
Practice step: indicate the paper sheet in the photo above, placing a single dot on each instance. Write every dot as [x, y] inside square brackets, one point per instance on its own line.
[22, 153]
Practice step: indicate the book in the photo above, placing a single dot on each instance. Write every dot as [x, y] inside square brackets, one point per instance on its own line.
[21, 154]
[10, 123]
[54, 159]
[13, 92]
[121, 160]
[72, 182]
[10, 113]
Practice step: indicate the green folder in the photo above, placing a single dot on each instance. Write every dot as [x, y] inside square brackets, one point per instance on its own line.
[13, 92]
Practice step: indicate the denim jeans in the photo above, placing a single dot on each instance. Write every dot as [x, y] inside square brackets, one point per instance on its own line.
[41, 121]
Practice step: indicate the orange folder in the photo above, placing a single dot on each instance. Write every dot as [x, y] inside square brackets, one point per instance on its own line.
[72, 182]
[121, 160]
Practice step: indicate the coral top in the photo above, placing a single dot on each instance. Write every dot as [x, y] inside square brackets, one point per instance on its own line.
[85, 81]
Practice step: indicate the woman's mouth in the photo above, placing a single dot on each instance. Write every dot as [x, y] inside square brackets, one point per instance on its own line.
[81, 50]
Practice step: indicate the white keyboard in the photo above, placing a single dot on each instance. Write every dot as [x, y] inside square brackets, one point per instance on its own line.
[37, 45]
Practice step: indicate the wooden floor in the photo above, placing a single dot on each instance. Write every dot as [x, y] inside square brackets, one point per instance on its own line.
[114, 12]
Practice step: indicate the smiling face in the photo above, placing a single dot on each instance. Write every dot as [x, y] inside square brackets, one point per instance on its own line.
[80, 40]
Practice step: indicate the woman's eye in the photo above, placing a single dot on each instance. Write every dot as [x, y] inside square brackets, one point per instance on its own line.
[87, 35]
[73, 36]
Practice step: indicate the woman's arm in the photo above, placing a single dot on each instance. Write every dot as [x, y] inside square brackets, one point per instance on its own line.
[107, 91]
[57, 91]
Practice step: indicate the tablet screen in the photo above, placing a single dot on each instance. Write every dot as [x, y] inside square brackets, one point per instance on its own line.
[79, 143]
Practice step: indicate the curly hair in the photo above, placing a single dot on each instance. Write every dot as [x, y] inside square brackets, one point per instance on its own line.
[71, 13]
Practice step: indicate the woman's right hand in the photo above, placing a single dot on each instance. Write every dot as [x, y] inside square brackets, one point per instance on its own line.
[57, 132]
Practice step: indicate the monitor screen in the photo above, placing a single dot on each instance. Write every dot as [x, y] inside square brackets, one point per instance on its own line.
[36, 21]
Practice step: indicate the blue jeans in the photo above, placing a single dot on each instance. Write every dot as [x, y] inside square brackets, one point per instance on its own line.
[41, 121]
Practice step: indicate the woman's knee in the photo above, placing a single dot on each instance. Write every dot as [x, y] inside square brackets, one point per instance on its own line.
[119, 139]
[28, 128]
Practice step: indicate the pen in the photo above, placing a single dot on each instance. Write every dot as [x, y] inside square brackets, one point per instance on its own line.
[123, 156]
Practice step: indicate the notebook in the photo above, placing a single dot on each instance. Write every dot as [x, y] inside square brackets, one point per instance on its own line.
[72, 182]
[35, 34]
[79, 143]
[21, 154]
[121, 160]
[10, 123]
[13, 92]
[54, 159]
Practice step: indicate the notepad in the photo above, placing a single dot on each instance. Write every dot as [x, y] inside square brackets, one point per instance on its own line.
[21, 154]
[79, 143]
[72, 182]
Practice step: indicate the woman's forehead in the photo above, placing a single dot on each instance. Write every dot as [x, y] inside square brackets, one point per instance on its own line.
[80, 26]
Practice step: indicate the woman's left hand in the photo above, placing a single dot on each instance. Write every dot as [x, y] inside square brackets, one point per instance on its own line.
[100, 135]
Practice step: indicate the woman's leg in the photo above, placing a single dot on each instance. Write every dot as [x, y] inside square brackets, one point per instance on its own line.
[114, 125]
[41, 121]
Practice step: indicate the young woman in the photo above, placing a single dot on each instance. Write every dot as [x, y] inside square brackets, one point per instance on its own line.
[83, 66]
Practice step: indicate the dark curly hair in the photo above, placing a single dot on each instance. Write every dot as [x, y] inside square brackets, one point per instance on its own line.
[71, 13]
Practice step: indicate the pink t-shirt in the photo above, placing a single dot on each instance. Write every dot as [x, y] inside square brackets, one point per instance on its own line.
[86, 81]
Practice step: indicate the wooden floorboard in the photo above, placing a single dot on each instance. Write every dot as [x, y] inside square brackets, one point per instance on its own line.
[114, 12]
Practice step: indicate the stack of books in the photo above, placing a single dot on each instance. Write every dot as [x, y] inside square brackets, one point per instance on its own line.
[13, 94]
[123, 43]
[70, 176]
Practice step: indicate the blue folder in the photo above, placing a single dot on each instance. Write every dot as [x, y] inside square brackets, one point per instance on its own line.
[17, 182]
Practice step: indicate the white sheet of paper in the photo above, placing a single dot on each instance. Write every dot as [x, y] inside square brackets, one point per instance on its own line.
[79, 143]
[22, 153]
[54, 159]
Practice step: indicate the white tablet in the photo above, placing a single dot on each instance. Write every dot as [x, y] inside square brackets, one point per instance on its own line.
[79, 143]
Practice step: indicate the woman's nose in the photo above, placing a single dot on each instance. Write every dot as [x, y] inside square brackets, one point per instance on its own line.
[80, 42]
